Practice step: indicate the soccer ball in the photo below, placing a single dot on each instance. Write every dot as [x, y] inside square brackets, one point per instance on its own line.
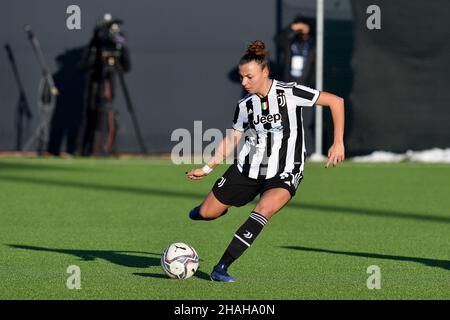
[179, 260]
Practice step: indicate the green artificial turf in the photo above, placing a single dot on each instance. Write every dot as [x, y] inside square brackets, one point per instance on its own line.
[113, 218]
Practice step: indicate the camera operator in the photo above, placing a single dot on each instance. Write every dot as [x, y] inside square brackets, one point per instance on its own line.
[105, 56]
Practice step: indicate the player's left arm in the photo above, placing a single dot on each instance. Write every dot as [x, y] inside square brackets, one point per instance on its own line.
[336, 153]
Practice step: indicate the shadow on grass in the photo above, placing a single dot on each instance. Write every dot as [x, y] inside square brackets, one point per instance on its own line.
[444, 264]
[121, 258]
[132, 259]
[303, 206]
[100, 187]
[18, 166]
[370, 212]
[151, 275]
[199, 274]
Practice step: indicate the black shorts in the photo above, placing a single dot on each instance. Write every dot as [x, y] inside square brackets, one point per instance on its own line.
[235, 189]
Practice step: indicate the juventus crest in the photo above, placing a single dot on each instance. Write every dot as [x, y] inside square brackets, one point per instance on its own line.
[281, 99]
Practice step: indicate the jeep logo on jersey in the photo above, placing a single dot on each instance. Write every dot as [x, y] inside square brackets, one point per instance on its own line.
[267, 119]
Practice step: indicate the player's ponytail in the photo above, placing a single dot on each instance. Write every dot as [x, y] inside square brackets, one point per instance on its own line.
[256, 51]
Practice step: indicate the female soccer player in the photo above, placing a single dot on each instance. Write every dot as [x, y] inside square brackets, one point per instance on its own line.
[271, 161]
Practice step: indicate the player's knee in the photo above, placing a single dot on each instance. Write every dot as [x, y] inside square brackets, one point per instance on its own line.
[266, 209]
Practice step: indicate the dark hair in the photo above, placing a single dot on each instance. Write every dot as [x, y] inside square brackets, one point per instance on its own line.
[301, 19]
[256, 51]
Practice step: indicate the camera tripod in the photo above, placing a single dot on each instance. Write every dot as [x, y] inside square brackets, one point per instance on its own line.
[46, 99]
[131, 110]
[111, 60]
[23, 113]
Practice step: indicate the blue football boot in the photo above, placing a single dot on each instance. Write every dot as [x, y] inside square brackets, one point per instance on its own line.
[219, 273]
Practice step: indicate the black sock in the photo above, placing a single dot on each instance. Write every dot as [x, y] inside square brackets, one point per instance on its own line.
[243, 238]
[194, 214]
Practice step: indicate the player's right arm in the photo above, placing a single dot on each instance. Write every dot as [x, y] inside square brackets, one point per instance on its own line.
[226, 147]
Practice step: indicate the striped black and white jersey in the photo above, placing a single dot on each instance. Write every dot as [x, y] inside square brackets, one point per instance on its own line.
[273, 130]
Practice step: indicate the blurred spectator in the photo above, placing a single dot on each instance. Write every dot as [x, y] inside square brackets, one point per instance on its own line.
[66, 117]
[298, 64]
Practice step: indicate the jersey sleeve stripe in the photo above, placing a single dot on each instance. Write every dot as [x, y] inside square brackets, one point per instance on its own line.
[302, 93]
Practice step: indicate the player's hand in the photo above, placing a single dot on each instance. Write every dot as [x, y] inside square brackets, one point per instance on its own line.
[336, 154]
[196, 174]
